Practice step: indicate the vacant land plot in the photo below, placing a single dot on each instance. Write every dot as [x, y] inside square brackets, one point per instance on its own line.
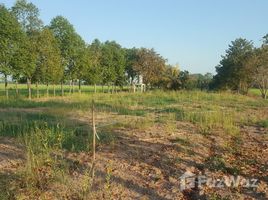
[146, 142]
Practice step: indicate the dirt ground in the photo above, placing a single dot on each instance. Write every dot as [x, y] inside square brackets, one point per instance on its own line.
[148, 164]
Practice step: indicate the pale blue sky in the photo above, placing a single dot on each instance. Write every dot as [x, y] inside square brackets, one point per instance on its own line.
[192, 33]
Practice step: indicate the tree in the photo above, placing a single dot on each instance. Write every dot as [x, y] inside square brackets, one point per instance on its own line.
[265, 40]
[11, 37]
[28, 16]
[200, 81]
[150, 65]
[233, 72]
[260, 62]
[112, 63]
[170, 77]
[49, 68]
[70, 44]
[184, 78]
[93, 73]
[131, 59]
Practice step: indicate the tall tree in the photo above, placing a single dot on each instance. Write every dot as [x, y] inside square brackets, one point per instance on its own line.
[184, 78]
[151, 66]
[112, 63]
[49, 68]
[28, 16]
[233, 71]
[11, 37]
[131, 59]
[170, 78]
[70, 44]
[260, 63]
[93, 74]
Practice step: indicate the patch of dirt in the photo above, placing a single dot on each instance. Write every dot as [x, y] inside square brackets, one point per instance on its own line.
[148, 164]
[23, 110]
[11, 154]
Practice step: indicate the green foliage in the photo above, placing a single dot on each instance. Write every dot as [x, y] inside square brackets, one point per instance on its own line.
[71, 45]
[234, 72]
[58, 53]
[150, 65]
[49, 68]
[27, 15]
[113, 63]
[10, 37]
[93, 72]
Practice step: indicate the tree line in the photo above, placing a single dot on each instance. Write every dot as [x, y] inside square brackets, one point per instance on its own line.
[56, 54]
[34, 53]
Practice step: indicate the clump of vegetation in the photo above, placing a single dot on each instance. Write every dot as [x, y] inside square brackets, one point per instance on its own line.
[263, 123]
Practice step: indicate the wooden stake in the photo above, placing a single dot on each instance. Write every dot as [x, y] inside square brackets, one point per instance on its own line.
[94, 141]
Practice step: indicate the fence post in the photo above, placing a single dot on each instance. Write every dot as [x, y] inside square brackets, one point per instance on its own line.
[94, 140]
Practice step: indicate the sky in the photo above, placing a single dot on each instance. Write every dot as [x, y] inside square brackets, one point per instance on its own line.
[191, 33]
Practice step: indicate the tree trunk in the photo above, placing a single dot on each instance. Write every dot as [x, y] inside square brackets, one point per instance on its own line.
[72, 86]
[62, 90]
[54, 90]
[134, 88]
[17, 90]
[37, 90]
[6, 90]
[70, 89]
[29, 88]
[79, 86]
[264, 95]
[47, 91]
[95, 88]
[102, 89]
[93, 142]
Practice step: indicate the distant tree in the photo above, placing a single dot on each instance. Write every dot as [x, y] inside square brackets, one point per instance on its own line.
[11, 37]
[112, 63]
[49, 68]
[28, 16]
[203, 81]
[184, 78]
[233, 72]
[265, 40]
[82, 64]
[260, 63]
[151, 66]
[170, 78]
[70, 44]
[131, 59]
[93, 74]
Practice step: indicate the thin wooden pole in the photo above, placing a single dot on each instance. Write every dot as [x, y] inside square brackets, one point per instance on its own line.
[94, 142]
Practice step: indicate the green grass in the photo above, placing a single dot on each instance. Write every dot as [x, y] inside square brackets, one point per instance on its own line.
[263, 123]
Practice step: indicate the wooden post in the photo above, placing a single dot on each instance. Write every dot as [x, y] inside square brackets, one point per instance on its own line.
[94, 142]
